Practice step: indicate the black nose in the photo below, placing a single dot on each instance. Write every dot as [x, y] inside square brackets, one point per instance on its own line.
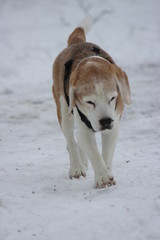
[106, 123]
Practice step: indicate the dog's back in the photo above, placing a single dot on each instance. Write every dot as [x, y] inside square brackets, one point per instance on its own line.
[76, 50]
[76, 37]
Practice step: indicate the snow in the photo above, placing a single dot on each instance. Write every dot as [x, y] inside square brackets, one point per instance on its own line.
[37, 198]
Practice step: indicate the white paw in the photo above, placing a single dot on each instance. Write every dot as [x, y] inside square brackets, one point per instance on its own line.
[104, 179]
[76, 172]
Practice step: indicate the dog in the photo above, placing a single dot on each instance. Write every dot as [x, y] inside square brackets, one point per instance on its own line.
[90, 91]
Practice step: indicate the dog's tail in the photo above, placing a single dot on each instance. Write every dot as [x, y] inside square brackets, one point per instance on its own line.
[79, 34]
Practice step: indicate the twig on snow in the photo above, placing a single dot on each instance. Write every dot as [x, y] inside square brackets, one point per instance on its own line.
[86, 8]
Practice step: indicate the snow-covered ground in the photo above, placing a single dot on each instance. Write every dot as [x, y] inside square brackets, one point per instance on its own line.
[37, 199]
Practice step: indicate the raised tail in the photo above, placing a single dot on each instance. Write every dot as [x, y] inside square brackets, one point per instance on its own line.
[79, 33]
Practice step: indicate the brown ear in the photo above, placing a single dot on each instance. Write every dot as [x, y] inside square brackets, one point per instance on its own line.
[123, 85]
[71, 99]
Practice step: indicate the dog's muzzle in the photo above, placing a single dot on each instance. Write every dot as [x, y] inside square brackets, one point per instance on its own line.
[106, 123]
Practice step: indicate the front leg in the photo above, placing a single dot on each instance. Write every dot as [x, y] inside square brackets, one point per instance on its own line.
[87, 142]
[77, 168]
[108, 145]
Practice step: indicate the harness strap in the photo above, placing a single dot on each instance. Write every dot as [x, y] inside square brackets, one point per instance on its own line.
[67, 73]
[85, 119]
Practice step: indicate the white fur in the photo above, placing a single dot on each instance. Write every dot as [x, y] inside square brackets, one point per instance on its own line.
[77, 168]
[87, 142]
[108, 145]
[86, 24]
[102, 107]
[91, 62]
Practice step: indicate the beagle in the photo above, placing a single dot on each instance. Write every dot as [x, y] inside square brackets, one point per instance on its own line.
[90, 92]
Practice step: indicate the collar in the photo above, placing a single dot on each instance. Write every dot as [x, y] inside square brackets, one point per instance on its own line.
[85, 119]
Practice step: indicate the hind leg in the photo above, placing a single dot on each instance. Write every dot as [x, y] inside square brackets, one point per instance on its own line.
[77, 168]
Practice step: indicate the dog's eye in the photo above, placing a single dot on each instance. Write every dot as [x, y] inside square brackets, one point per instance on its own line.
[112, 99]
[91, 103]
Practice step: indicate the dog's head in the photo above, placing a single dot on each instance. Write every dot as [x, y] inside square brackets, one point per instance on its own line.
[100, 90]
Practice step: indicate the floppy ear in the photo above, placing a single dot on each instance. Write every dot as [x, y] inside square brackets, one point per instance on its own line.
[71, 99]
[123, 86]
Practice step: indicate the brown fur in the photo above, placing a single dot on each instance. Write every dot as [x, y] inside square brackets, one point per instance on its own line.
[77, 50]
[77, 36]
